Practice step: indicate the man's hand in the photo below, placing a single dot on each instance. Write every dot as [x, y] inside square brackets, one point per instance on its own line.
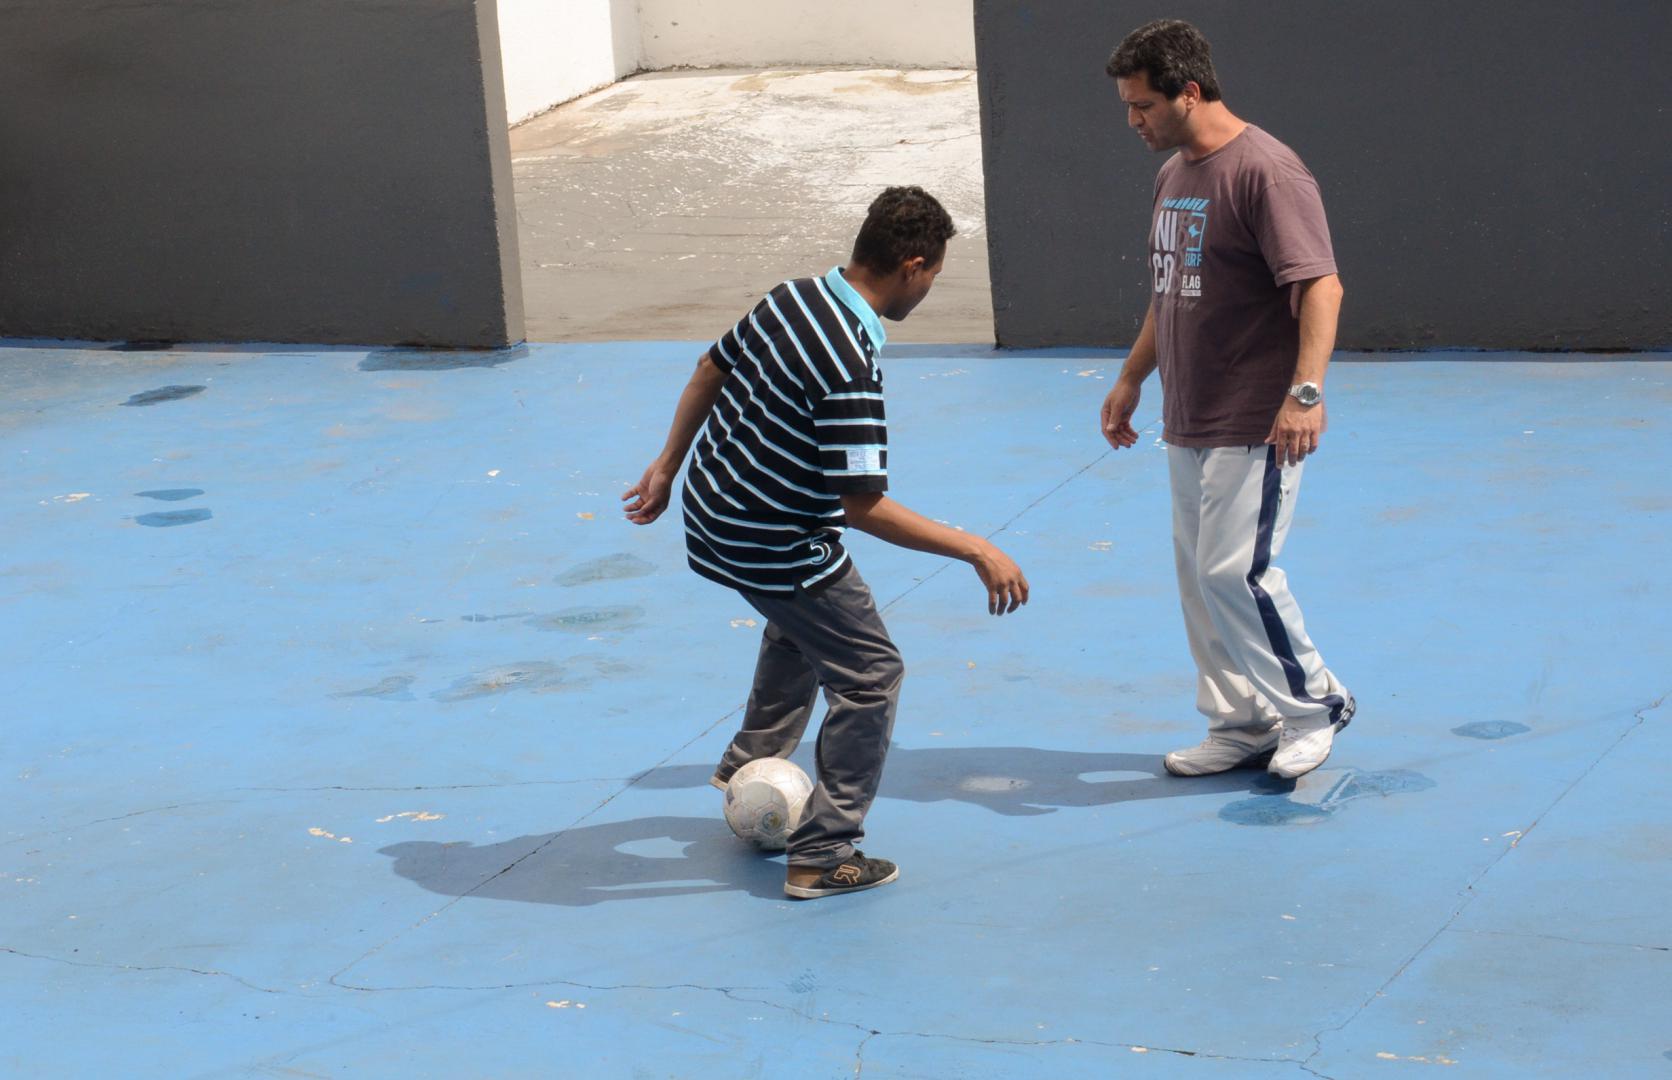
[1007, 589]
[1297, 431]
[650, 495]
[1118, 408]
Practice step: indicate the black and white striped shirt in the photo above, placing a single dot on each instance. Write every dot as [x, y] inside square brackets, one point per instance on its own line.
[799, 423]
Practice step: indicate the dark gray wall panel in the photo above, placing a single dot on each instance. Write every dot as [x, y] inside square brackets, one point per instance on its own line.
[1496, 173]
[238, 170]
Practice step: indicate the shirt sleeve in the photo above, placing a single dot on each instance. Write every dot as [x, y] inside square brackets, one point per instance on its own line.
[853, 437]
[726, 351]
[1293, 232]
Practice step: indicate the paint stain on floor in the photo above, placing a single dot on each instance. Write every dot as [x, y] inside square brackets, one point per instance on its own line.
[1491, 729]
[167, 519]
[534, 676]
[589, 620]
[170, 494]
[1320, 796]
[608, 568]
[393, 688]
[440, 359]
[162, 394]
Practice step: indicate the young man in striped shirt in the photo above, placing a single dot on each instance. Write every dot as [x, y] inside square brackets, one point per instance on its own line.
[793, 450]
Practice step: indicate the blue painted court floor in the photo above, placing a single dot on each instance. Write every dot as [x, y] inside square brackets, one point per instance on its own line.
[349, 731]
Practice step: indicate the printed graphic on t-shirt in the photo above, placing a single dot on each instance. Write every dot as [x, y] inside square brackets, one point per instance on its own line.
[1176, 246]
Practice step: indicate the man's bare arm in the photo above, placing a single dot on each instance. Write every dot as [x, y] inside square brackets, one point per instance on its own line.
[1299, 429]
[1122, 399]
[885, 519]
[649, 497]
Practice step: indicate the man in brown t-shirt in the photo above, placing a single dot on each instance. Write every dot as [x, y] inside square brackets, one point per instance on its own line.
[1241, 322]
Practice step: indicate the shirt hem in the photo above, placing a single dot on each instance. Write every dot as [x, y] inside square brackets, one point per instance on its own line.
[1213, 442]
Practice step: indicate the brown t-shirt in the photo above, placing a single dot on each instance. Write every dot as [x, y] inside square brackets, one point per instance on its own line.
[1232, 232]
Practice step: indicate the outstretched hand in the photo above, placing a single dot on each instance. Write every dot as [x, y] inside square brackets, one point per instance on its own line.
[646, 499]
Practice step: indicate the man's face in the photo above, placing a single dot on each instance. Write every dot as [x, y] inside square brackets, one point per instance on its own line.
[915, 278]
[1162, 124]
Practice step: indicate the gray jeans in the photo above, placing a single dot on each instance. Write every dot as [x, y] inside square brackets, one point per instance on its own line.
[832, 638]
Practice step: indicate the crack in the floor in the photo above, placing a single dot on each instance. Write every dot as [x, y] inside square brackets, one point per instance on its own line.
[859, 1055]
[1142, 1048]
[1640, 717]
[736, 994]
[70, 829]
[448, 787]
[65, 831]
[1566, 940]
[141, 968]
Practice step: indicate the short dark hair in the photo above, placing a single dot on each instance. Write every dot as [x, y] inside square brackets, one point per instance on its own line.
[1172, 53]
[902, 223]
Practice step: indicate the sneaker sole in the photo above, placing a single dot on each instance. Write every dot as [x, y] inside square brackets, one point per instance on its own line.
[716, 782]
[804, 892]
[1252, 761]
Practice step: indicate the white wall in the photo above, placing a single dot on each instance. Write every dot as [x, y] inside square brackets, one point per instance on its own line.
[762, 33]
[555, 50]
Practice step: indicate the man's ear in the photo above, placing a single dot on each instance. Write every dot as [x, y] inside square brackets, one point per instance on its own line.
[912, 267]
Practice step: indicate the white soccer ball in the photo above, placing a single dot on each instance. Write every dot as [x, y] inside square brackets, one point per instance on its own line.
[764, 801]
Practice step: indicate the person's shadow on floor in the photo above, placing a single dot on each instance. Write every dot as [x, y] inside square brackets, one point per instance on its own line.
[679, 856]
[1017, 781]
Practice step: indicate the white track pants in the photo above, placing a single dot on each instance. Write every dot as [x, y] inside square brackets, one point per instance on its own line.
[1231, 511]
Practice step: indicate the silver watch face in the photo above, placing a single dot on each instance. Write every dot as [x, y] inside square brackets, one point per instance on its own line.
[1307, 393]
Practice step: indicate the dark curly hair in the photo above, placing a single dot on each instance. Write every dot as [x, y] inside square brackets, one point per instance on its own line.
[903, 223]
[1173, 53]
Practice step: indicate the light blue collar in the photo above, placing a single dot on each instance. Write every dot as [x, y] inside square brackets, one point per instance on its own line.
[855, 303]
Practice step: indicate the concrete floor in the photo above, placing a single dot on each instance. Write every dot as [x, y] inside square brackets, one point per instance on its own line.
[664, 206]
[350, 732]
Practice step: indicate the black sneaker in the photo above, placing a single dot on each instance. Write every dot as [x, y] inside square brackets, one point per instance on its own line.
[855, 875]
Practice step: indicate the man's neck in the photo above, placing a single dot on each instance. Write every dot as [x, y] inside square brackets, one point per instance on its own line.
[866, 284]
[1212, 125]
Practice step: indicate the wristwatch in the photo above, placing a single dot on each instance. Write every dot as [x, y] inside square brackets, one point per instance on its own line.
[1307, 393]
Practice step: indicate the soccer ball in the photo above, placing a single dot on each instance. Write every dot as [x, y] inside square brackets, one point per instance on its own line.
[764, 801]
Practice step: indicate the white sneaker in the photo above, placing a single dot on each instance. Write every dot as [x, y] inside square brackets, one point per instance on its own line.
[1300, 750]
[1216, 754]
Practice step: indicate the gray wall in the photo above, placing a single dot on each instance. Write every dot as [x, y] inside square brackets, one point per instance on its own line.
[331, 171]
[1496, 173]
